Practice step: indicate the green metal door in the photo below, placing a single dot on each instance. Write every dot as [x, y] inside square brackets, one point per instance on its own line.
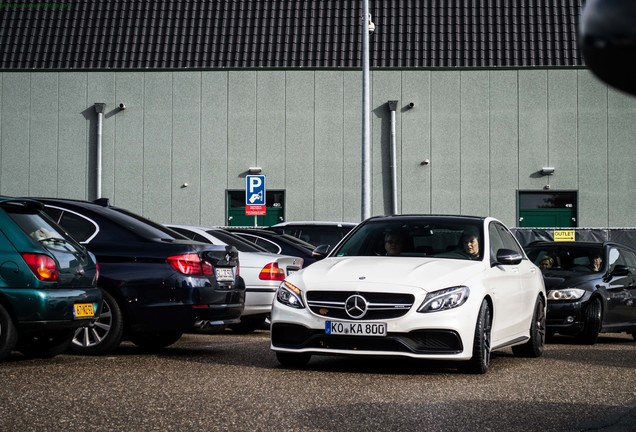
[274, 203]
[547, 209]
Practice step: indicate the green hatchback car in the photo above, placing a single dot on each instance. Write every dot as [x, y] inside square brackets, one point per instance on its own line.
[47, 282]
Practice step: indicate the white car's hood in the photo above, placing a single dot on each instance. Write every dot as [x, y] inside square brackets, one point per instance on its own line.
[379, 273]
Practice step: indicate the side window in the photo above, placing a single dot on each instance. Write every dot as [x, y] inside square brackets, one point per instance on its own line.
[200, 238]
[269, 245]
[500, 237]
[509, 240]
[630, 260]
[495, 240]
[79, 228]
[614, 258]
[184, 232]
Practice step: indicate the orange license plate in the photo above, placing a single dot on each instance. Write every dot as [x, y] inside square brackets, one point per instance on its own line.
[84, 310]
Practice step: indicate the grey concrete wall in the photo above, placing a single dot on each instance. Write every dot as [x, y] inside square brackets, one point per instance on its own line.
[486, 134]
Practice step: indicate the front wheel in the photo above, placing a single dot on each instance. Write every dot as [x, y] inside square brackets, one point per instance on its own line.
[535, 345]
[103, 335]
[593, 319]
[293, 359]
[480, 362]
[8, 334]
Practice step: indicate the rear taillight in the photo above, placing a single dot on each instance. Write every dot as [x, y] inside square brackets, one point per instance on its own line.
[42, 266]
[272, 272]
[96, 271]
[191, 265]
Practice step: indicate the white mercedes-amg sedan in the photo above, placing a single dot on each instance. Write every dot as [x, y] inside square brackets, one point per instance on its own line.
[436, 287]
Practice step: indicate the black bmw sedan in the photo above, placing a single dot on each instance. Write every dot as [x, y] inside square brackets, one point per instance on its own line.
[591, 287]
[156, 283]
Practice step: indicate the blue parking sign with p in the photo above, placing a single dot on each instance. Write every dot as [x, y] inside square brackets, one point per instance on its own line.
[255, 190]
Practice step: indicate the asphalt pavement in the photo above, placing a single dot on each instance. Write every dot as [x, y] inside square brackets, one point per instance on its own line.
[229, 382]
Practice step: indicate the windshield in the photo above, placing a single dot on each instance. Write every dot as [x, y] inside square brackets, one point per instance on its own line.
[572, 258]
[425, 237]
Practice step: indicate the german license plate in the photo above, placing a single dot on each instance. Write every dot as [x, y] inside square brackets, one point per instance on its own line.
[350, 328]
[224, 274]
[83, 310]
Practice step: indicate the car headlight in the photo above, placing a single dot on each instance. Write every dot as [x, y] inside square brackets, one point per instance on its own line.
[566, 294]
[290, 295]
[448, 298]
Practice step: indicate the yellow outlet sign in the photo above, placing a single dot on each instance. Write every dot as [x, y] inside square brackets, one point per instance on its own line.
[564, 235]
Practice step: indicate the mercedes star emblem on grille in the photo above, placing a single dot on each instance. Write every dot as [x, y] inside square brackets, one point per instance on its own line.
[356, 306]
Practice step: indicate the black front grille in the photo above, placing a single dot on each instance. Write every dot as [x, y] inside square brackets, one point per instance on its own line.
[416, 342]
[379, 305]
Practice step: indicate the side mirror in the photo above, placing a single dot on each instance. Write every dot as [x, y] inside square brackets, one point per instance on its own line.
[321, 251]
[607, 38]
[508, 257]
[620, 270]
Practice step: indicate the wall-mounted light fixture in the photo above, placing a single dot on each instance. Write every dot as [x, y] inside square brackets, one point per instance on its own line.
[371, 25]
[547, 170]
[255, 170]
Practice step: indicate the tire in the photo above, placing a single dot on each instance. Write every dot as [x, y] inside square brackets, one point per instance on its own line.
[8, 334]
[535, 346]
[103, 335]
[152, 341]
[46, 344]
[593, 319]
[293, 359]
[480, 362]
[248, 324]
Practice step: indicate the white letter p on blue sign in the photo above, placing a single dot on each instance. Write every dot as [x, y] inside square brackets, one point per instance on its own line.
[255, 190]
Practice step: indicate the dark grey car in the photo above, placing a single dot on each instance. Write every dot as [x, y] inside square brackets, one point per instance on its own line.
[583, 299]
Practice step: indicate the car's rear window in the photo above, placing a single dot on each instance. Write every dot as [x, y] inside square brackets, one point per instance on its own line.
[37, 226]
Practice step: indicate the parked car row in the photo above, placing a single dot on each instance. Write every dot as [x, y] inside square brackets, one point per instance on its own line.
[153, 285]
[84, 276]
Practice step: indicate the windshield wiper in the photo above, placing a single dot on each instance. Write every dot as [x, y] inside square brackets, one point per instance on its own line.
[55, 240]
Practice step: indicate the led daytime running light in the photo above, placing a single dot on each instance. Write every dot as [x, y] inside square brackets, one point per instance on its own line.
[448, 298]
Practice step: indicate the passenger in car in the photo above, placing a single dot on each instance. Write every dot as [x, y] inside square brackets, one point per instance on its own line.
[597, 262]
[546, 262]
[394, 243]
[470, 245]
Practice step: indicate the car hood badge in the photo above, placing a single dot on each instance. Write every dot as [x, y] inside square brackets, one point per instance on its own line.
[356, 306]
